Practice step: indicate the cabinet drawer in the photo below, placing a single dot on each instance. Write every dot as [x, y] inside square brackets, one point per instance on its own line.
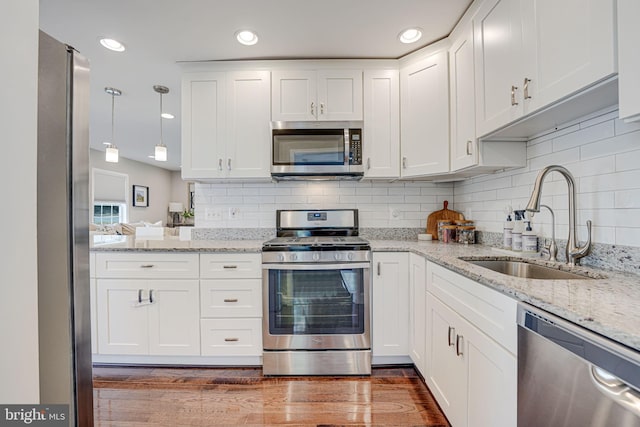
[231, 337]
[231, 298]
[488, 310]
[230, 266]
[146, 265]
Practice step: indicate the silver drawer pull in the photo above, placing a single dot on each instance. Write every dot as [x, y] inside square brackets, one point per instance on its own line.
[231, 300]
[459, 340]
[139, 296]
[229, 267]
[232, 339]
[147, 266]
[452, 331]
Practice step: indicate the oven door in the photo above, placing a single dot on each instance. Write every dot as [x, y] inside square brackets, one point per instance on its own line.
[316, 306]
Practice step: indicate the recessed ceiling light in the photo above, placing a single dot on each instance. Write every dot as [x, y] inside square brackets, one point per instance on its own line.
[167, 116]
[247, 37]
[410, 35]
[112, 44]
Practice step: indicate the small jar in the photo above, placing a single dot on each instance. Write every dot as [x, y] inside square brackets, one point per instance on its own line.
[442, 223]
[449, 234]
[466, 234]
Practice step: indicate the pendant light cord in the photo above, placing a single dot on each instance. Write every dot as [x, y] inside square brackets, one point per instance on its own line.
[113, 102]
[161, 143]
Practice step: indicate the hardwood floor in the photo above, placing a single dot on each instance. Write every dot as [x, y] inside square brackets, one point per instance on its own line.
[144, 396]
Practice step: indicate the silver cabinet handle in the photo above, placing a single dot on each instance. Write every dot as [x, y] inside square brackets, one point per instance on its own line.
[313, 109]
[513, 95]
[452, 331]
[147, 266]
[321, 108]
[231, 300]
[139, 296]
[378, 268]
[525, 88]
[229, 163]
[459, 340]
[220, 164]
[368, 163]
[229, 267]
[469, 145]
[151, 296]
[404, 163]
[232, 339]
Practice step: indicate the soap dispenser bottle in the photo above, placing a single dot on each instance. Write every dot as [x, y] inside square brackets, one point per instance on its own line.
[529, 239]
[518, 229]
[507, 234]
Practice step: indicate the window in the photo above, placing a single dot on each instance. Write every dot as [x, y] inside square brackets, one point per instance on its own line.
[108, 213]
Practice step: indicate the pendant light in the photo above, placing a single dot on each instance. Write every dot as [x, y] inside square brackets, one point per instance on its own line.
[161, 149]
[111, 153]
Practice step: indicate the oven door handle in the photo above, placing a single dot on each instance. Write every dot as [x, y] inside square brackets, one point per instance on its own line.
[317, 266]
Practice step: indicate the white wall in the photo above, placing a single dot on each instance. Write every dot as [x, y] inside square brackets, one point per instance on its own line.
[603, 154]
[18, 115]
[179, 189]
[256, 204]
[161, 183]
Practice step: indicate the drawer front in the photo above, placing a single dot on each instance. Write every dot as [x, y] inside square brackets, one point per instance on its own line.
[230, 266]
[231, 298]
[489, 310]
[231, 337]
[147, 266]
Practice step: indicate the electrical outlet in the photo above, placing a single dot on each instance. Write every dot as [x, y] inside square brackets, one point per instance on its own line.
[394, 214]
[212, 214]
[234, 213]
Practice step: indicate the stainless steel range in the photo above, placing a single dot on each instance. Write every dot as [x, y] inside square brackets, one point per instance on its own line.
[317, 279]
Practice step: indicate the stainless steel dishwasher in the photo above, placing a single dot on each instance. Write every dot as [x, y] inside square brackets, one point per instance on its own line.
[571, 377]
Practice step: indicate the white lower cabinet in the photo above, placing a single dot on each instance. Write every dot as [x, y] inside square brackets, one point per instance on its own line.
[231, 337]
[148, 317]
[417, 311]
[390, 300]
[471, 369]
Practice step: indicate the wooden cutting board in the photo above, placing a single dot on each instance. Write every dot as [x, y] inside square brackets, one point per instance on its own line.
[443, 214]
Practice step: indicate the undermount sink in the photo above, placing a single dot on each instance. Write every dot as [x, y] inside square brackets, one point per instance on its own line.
[525, 269]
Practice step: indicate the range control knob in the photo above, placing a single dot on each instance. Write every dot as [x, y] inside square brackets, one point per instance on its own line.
[280, 257]
[350, 256]
[293, 257]
[316, 256]
[337, 255]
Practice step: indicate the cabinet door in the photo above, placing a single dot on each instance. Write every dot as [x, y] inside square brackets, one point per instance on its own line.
[122, 319]
[568, 46]
[93, 302]
[628, 59]
[381, 124]
[424, 123]
[446, 370]
[464, 150]
[293, 96]
[203, 125]
[492, 381]
[248, 153]
[497, 31]
[417, 311]
[339, 95]
[390, 300]
[174, 317]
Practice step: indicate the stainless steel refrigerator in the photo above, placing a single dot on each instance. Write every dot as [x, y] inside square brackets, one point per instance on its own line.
[63, 230]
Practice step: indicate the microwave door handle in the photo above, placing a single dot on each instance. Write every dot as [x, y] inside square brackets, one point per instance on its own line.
[347, 147]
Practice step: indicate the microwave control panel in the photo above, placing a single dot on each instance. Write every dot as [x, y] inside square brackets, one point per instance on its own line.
[355, 146]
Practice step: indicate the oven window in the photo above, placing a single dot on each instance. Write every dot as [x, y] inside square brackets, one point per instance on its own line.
[315, 302]
[308, 149]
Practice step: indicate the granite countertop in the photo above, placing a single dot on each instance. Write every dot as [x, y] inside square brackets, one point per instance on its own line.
[607, 304]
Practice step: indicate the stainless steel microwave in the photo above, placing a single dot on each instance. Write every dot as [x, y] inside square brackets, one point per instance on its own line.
[316, 150]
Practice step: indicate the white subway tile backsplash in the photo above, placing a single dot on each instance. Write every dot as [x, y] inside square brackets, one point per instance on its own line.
[584, 136]
[627, 199]
[628, 161]
[556, 158]
[614, 145]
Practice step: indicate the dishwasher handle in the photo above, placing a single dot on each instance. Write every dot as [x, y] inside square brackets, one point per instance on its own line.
[616, 389]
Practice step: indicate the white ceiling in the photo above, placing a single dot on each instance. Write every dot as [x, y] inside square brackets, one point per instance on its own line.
[159, 33]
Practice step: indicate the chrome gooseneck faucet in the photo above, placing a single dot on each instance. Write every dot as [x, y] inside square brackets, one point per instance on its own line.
[573, 251]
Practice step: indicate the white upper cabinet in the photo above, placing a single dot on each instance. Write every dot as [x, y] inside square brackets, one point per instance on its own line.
[303, 95]
[533, 53]
[464, 150]
[225, 125]
[424, 122]
[628, 59]
[381, 124]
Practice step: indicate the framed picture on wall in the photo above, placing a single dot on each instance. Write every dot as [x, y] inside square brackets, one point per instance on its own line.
[140, 196]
